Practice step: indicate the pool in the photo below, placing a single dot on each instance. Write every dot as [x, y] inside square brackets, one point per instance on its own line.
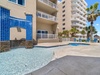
[78, 44]
[21, 61]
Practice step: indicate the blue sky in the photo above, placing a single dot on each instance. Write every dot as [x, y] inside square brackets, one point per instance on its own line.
[97, 22]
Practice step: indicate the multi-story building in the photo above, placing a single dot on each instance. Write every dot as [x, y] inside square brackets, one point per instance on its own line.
[71, 14]
[64, 15]
[28, 19]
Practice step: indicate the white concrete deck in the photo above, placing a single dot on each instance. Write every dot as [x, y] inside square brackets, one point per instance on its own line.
[69, 60]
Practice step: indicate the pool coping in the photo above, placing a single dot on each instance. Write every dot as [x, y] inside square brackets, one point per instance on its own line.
[45, 45]
[50, 46]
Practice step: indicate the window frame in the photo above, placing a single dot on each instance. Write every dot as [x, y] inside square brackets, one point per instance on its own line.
[42, 32]
[17, 2]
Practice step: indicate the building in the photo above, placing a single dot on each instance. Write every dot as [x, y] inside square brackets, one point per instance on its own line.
[64, 15]
[71, 14]
[28, 19]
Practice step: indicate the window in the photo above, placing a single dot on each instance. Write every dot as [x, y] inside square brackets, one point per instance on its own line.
[64, 28]
[63, 7]
[63, 2]
[20, 2]
[63, 24]
[63, 19]
[13, 1]
[63, 11]
[42, 32]
[64, 15]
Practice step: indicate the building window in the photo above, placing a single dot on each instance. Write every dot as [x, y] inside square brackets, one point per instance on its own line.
[63, 19]
[20, 2]
[63, 24]
[13, 1]
[63, 11]
[64, 15]
[63, 2]
[64, 28]
[42, 32]
[63, 7]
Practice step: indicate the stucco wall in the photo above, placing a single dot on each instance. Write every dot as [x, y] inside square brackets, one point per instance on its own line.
[19, 12]
[67, 17]
[43, 26]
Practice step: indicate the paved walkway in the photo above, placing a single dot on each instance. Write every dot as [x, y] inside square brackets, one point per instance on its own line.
[69, 60]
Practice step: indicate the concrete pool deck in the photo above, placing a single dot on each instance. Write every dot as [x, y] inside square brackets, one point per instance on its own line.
[70, 60]
[60, 44]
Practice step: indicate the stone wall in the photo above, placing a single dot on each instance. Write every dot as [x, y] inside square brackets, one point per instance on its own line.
[4, 46]
[29, 44]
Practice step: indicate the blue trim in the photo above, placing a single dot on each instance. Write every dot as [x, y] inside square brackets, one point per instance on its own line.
[4, 24]
[7, 21]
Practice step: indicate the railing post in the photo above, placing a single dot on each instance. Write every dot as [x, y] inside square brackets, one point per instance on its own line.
[41, 35]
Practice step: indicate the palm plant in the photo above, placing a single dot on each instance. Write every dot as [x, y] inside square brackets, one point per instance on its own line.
[92, 14]
[88, 30]
[73, 32]
[83, 32]
[66, 33]
[60, 34]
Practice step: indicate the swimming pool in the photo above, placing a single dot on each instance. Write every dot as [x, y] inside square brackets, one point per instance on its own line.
[78, 44]
[21, 61]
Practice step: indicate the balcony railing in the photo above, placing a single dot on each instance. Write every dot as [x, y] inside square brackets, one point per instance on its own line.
[46, 16]
[46, 36]
[78, 19]
[49, 3]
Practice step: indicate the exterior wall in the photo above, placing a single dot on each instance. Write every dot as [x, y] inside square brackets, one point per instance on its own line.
[31, 6]
[15, 34]
[43, 26]
[67, 16]
[19, 12]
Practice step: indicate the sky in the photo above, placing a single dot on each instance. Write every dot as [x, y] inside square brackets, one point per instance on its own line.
[97, 22]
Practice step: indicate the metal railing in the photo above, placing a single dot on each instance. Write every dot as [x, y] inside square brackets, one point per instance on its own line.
[46, 36]
[49, 3]
[46, 16]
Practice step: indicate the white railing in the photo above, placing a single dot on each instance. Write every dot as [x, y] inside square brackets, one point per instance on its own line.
[78, 19]
[77, 24]
[46, 36]
[46, 16]
[48, 2]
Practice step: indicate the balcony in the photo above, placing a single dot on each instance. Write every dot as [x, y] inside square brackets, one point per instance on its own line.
[78, 25]
[78, 19]
[79, 15]
[82, 3]
[49, 3]
[81, 7]
[47, 36]
[47, 6]
[46, 18]
[77, 10]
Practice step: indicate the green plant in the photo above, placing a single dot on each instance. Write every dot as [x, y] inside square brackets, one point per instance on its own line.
[83, 40]
[88, 30]
[60, 34]
[65, 33]
[73, 32]
[83, 32]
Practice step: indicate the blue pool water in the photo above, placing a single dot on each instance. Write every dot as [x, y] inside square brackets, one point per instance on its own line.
[21, 61]
[78, 44]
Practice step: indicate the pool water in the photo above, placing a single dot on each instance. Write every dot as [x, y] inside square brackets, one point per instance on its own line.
[78, 44]
[21, 61]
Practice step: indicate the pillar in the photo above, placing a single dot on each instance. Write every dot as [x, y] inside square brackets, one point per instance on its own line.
[4, 29]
